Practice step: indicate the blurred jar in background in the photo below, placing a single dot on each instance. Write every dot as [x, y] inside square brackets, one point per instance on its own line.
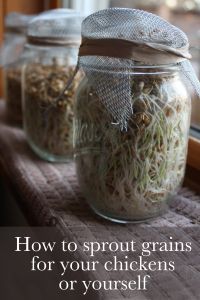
[14, 37]
[51, 52]
[14, 41]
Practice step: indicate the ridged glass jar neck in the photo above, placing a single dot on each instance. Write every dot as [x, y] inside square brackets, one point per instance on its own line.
[138, 69]
[155, 69]
[53, 41]
[52, 47]
[16, 30]
[60, 55]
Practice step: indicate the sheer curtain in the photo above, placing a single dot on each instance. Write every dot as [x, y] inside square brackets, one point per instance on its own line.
[86, 6]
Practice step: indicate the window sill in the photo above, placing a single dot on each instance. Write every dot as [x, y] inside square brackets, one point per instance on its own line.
[192, 178]
[193, 159]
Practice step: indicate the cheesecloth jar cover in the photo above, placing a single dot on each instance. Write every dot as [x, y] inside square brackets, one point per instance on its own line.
[56, 26]
[117, 39]
[15, 37]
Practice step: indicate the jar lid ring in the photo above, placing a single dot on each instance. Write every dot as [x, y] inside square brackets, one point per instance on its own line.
[53, 41]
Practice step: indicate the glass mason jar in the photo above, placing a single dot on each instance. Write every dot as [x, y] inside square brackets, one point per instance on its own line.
[15, 39]
[48, 116]
[130, 176]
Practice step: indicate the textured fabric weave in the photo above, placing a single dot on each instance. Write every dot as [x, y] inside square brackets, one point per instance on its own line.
[51, 196]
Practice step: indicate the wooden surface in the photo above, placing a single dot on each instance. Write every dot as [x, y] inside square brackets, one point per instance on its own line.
[1, 41]
[23, 6]
[192, 179]
[194, 153]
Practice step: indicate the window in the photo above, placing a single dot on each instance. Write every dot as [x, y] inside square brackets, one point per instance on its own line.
[86, 6]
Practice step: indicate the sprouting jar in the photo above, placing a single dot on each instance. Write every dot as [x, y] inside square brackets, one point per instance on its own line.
[11, 59]
[52, 49]
[132, 174]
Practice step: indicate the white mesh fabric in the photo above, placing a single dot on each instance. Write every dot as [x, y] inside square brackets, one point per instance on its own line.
[110, 78]
[132, 25]
[109, 75]
[189, 73]
[56, 23]
[17, 21]
[15, 37]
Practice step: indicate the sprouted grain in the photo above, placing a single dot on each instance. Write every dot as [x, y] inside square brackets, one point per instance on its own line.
[48, 122]
[131, 175]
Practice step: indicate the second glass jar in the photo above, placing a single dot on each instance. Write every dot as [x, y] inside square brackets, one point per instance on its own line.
[50, 64]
